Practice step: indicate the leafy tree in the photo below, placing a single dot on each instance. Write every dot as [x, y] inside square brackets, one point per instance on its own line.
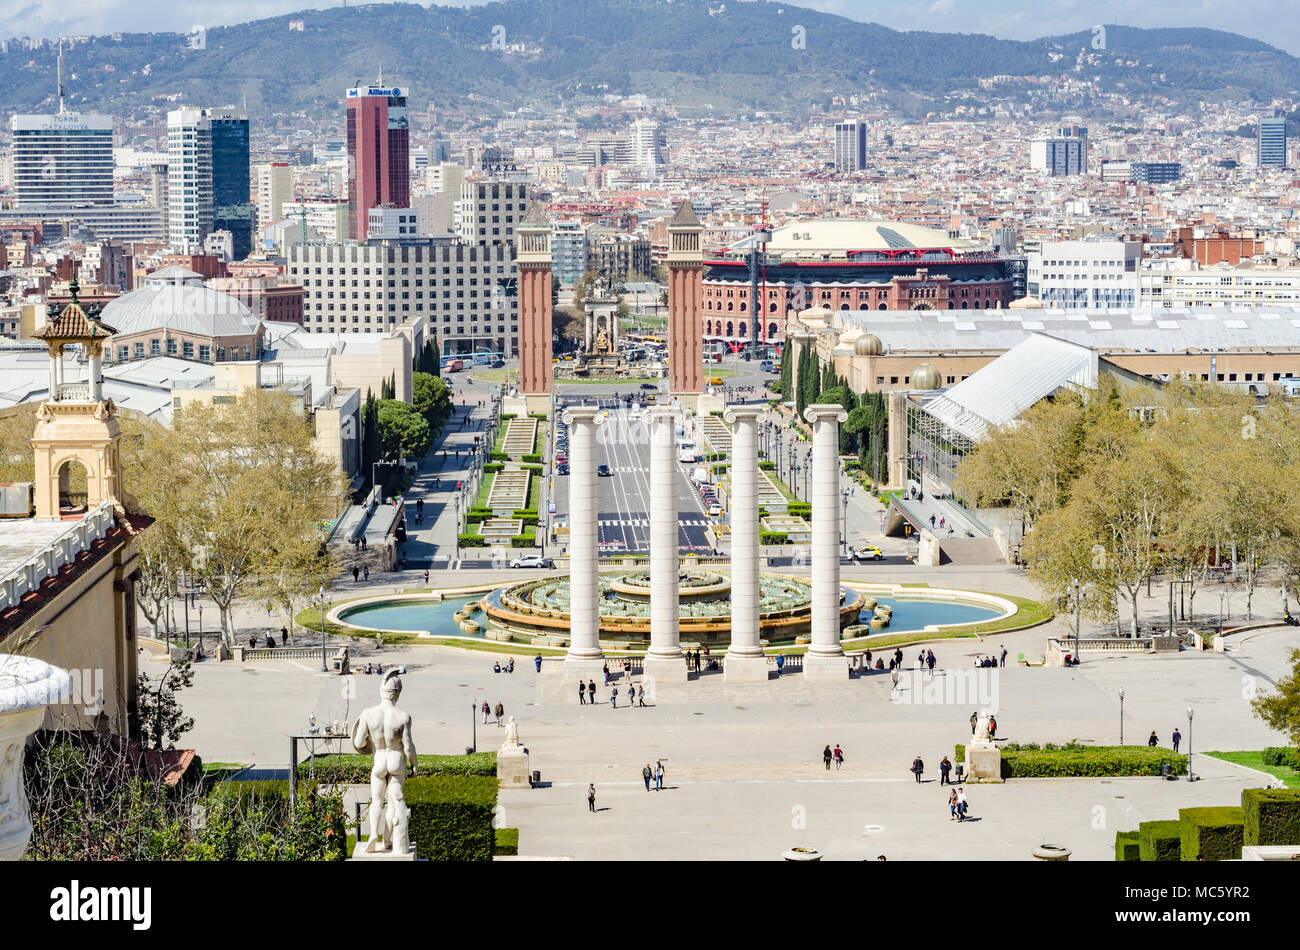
[431, 398]
[162, 721]
[1280, 709]
[402, 431]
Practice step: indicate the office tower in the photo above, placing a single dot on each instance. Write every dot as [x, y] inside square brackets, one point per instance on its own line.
[189, 178]
[274, 188]
[62, 159]
[1065, 153]
[1270, 142]
[378, 141]
[850, 146]
[569, 252]
[232, 205]
[158, 185]
[489, 210]
[645, 143]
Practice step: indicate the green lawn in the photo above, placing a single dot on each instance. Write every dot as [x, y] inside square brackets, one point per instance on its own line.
[490, 375]
[485, 489]
[637, 381]
[1255, 760]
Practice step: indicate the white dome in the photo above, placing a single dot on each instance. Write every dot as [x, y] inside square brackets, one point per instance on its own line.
[175, 299]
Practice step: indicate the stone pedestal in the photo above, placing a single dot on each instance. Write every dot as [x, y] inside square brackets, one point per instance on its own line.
[983, 763]
[27, 687]
[515, 406]
[821, 667]
[746, 669]
[512, 768]
[537, 404]
[664, 669]
[359, 853]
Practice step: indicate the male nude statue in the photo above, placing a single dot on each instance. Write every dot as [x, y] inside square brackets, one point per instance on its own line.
[386, 731]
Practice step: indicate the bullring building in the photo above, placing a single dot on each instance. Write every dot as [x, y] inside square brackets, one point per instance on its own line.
[845, 265]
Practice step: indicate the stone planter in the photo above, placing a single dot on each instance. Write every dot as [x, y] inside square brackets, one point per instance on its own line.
[27, 687]
[802, 854]
[1052, 852]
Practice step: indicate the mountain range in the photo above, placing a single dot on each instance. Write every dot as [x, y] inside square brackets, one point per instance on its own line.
[723, 56]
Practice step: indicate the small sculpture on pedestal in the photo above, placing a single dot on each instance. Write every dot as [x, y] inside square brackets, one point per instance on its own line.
[385, 731]
[512, 760]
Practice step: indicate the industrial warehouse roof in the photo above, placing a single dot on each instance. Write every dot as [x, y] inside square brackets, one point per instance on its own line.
[1030, 371]
[1131, 330]
[175, 299]
[835, 237]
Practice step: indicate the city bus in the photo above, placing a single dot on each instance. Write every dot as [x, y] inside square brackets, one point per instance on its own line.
[686, 452]
[713, 351]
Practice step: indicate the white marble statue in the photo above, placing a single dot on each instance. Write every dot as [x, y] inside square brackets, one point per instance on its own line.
[512, 736]
[981, 736]
[386, 731]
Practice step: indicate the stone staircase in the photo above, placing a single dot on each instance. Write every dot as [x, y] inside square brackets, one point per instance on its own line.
[969, 551]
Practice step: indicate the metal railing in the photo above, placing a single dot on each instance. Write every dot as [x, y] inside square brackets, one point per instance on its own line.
[62, 550]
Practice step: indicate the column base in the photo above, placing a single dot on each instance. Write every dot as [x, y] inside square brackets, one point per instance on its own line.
[539, 403]
[665, 669]
[745, 669]
[820, 666]
[586, 667]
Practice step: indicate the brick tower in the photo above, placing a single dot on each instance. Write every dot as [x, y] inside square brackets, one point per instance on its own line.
[685, 306]
[533, 235]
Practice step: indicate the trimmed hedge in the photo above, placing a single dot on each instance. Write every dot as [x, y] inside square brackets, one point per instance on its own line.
[530, 457]
[799, 508]
[473, 541]
[960, 754]
[1214, 833]
[526, 540]
[1160, 840]
[1279, 755]
[451, 817]
[535, 469]
[493, 467]
[1127, 847]
[767, 466]
[507, 841]
[349, 768]
[773, 537]
[1076, 761]
[1271, 816]
[500, 457]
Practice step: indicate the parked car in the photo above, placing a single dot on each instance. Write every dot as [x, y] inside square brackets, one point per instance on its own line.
[715, 510]
[532, 560]
[868, 553]
[562, 468]
[604, 471]
[649, 386]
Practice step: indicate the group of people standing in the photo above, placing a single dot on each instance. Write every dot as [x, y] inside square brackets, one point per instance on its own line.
[587, 694]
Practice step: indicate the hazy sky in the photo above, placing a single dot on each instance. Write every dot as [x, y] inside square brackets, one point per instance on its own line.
[1275, 21]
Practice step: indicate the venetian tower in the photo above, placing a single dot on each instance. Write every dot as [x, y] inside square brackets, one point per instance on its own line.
[76, 425]
[533, 237]
[685, 306]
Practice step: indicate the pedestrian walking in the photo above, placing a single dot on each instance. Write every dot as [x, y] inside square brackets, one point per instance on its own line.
[974, 718]
[486, 712]
[952, 805]
[839, 757]
[591, 691]
[920, 660]
[640, 695]
[500, 711]
[1004, 657]
[1177, 737]
[918, 768]
[993, 727]
[647, 773]
[582, 693]
[929, 661]
[932, 521]
[944, 768]
[961, 803]
[537, 661]
[780, 663]
[284, 636]
[365, 573]
[893, 673]
[356, 573]
[591, 798]
[426, 575]
[898, 656]
[827, 756]
[606, 674]
[613, 697]
[659, 775]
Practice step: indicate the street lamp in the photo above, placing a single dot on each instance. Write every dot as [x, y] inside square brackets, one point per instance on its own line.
[473, 725]
[1221, 595]
[844, 493]
[456, 499]
[321, 602]
[1121, 715]
[1078, 592]
[1190, 776]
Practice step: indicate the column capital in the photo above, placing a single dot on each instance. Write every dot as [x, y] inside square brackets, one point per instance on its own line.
[824, 412]
[663, 414]
[749, 413]
[592, 414]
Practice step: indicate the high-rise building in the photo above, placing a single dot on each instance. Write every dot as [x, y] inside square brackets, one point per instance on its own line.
[189, 178]
[850, 145]
[64, 159]
[274, 188]
[378, 141]
[569, 252]
[1270, 142]
[1085, 274]
[646, 143]
[1065, 153]
[232, 203]
[489, 210]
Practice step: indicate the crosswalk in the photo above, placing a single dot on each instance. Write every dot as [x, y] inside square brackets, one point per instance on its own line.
[645, 522]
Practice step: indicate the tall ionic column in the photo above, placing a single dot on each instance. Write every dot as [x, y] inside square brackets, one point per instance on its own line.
[825, 658]
[664, 660]
[745, 662]
[585, 656]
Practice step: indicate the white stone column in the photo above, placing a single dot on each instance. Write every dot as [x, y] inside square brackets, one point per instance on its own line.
[664, 660]
[585, 656]
[825, 658]
[745, 662]
[27, 687]
[96, 374]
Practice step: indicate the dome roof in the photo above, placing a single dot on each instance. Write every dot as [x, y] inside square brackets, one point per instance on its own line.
[1028, 302]
[925, 376]
[868, 345]
[175, 299]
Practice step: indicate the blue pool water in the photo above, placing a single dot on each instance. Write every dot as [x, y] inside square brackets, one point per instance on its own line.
[916, 614]
[427, 616]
